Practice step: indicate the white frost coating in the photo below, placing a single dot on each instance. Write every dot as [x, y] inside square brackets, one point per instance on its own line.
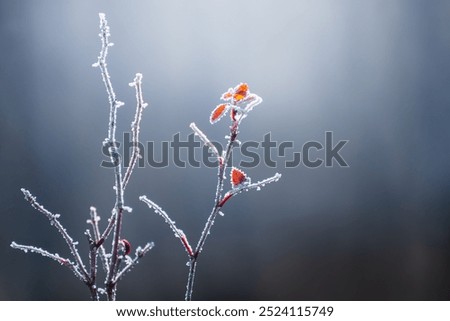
[257, 185]
[53, 218]
[111, 261]
[135, 128]
[128, 209]
[205, 139]
[178, 233]
[95, 218]
[255, 100]
[116, 217]
[130, 263]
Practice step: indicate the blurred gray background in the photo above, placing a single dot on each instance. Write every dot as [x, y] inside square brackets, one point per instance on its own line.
[376, 73]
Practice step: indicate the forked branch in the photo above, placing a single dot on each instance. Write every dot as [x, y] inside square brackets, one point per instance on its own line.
[239, 102]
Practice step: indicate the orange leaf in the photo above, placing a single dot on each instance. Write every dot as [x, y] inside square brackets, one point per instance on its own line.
[237, 177]
[218, 112]
[240, 92]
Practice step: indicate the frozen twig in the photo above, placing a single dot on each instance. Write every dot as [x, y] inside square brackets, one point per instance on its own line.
[178, 233]
[253, 101]
[110, 141]
[205, 140]
[53, 218]
[109, 228]
[115, 222]
[130, 263]
[135, 127]
[95, 218]
[93, 250]
[63, 261]
[258, 185]
[219, 189]
[101, 63]
[92, 256]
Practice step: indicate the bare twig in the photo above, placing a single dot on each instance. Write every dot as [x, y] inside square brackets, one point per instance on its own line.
[205, 140]
[95, 218]
[109, 228]
[63, 261]
[53, 218]
[258, 185]
[140, 252]
[135, 127]
[113, 152]
[93, 265]
[178, 233]
[115, 222]
[212, 217]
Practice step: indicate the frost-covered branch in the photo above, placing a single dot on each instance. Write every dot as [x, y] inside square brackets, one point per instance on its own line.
[205, 140]
[93, 250]
[110, 141]
[115, 222]
[63, 261]
[135, 127]
[111, 261]
[178, 233]
[102, 64]
[93, 221]
[92, 256]
[53, 218]
[239, 102]
[130, 263]
[220, 181]
[244, 188]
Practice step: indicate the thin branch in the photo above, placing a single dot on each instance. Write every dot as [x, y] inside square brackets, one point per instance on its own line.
[191, 278]
[256, 185]
[92, 256]
[254, 101]
[205, 140]
[114, 103]
[216, 209]
[140, 252]
[95, 218]
[178, 233]
[219, 189]
[220, 201]
[53, 218]
[63, 261]
[107, 231]
[135, 127]
[93, 266]
[113, 151]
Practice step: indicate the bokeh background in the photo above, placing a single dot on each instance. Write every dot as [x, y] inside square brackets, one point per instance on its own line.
[376, 73]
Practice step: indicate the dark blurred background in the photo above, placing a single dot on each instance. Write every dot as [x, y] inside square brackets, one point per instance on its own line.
[376, 73]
